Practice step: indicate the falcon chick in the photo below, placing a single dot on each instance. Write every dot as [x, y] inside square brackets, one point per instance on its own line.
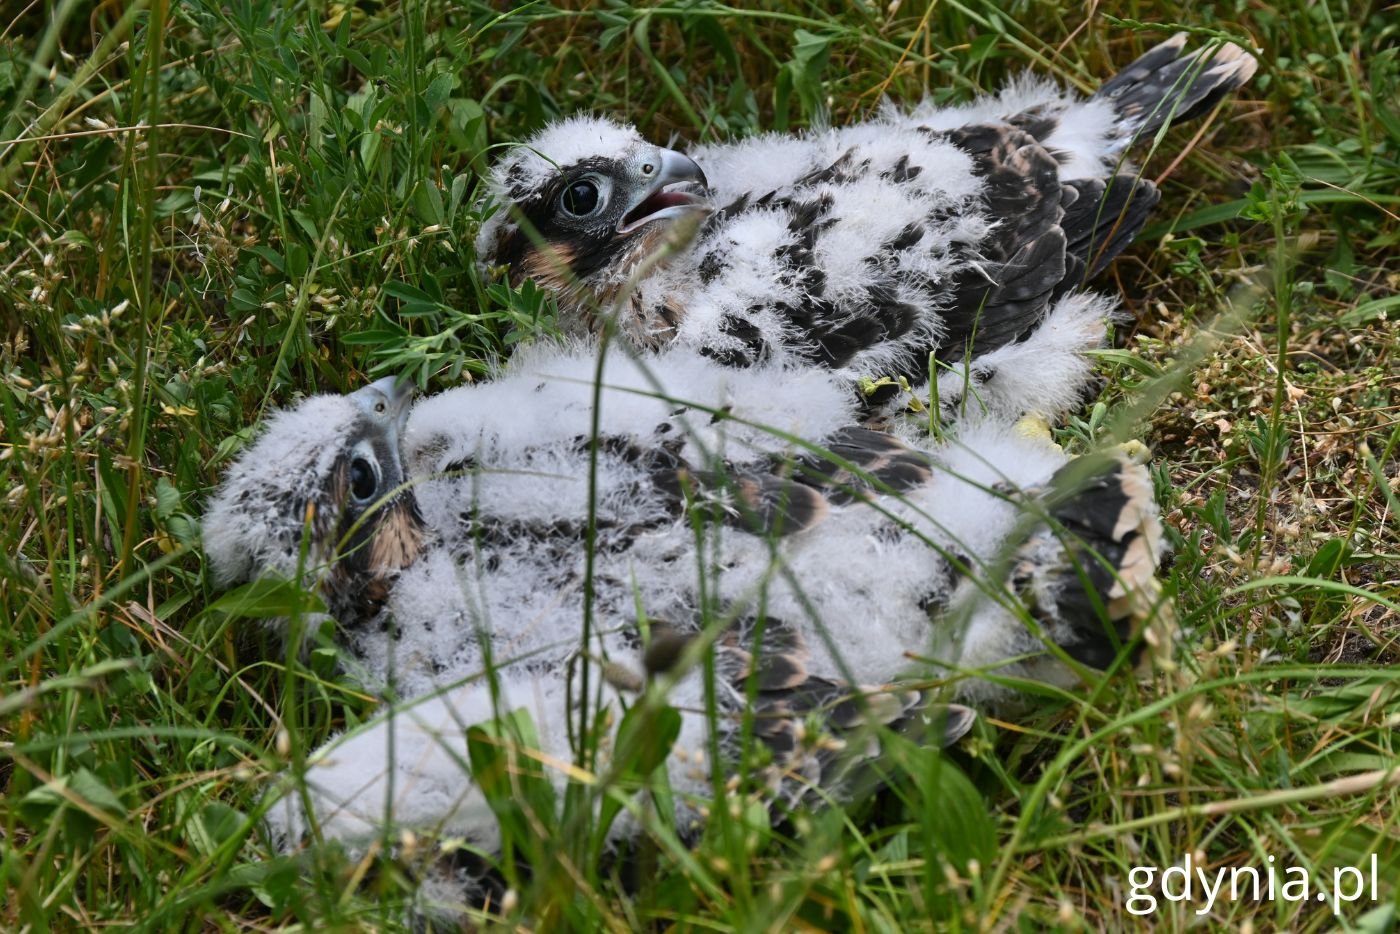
[836, 560]
[959, 232]
[322, 490]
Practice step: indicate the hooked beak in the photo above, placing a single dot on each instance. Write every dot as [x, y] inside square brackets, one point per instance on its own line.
[658, 200]
[386, 398]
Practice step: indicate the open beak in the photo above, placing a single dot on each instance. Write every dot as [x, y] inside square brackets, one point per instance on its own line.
[671, 185]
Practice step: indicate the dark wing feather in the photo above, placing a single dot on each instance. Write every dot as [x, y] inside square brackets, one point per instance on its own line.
[881, 317]
[861, 462]
[1101, 217]
[820, 732]
[1164, 85]
[805, 721]
[750, 500]
[789, 495]
[1023, 260]
[1102, 511]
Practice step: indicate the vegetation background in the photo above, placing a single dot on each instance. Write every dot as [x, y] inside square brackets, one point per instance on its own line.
[207, 208]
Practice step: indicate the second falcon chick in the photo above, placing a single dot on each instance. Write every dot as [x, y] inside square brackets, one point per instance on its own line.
[568, 533]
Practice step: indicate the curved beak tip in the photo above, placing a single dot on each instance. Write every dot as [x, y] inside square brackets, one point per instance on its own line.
[396, 391]
[678, 167]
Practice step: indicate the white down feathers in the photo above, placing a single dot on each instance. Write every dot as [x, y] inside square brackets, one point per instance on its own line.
[502, 480]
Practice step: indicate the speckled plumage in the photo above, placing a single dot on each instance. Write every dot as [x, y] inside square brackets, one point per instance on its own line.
[957, 231]
[860, 567]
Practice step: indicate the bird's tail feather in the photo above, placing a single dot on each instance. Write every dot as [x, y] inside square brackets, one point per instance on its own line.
[1166, 86]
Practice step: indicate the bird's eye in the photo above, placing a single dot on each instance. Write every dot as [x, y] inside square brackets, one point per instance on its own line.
[363, 481]
[581, 198]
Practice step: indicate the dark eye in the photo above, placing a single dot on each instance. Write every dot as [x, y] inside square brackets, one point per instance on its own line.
[363, 482]
[580, 198]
